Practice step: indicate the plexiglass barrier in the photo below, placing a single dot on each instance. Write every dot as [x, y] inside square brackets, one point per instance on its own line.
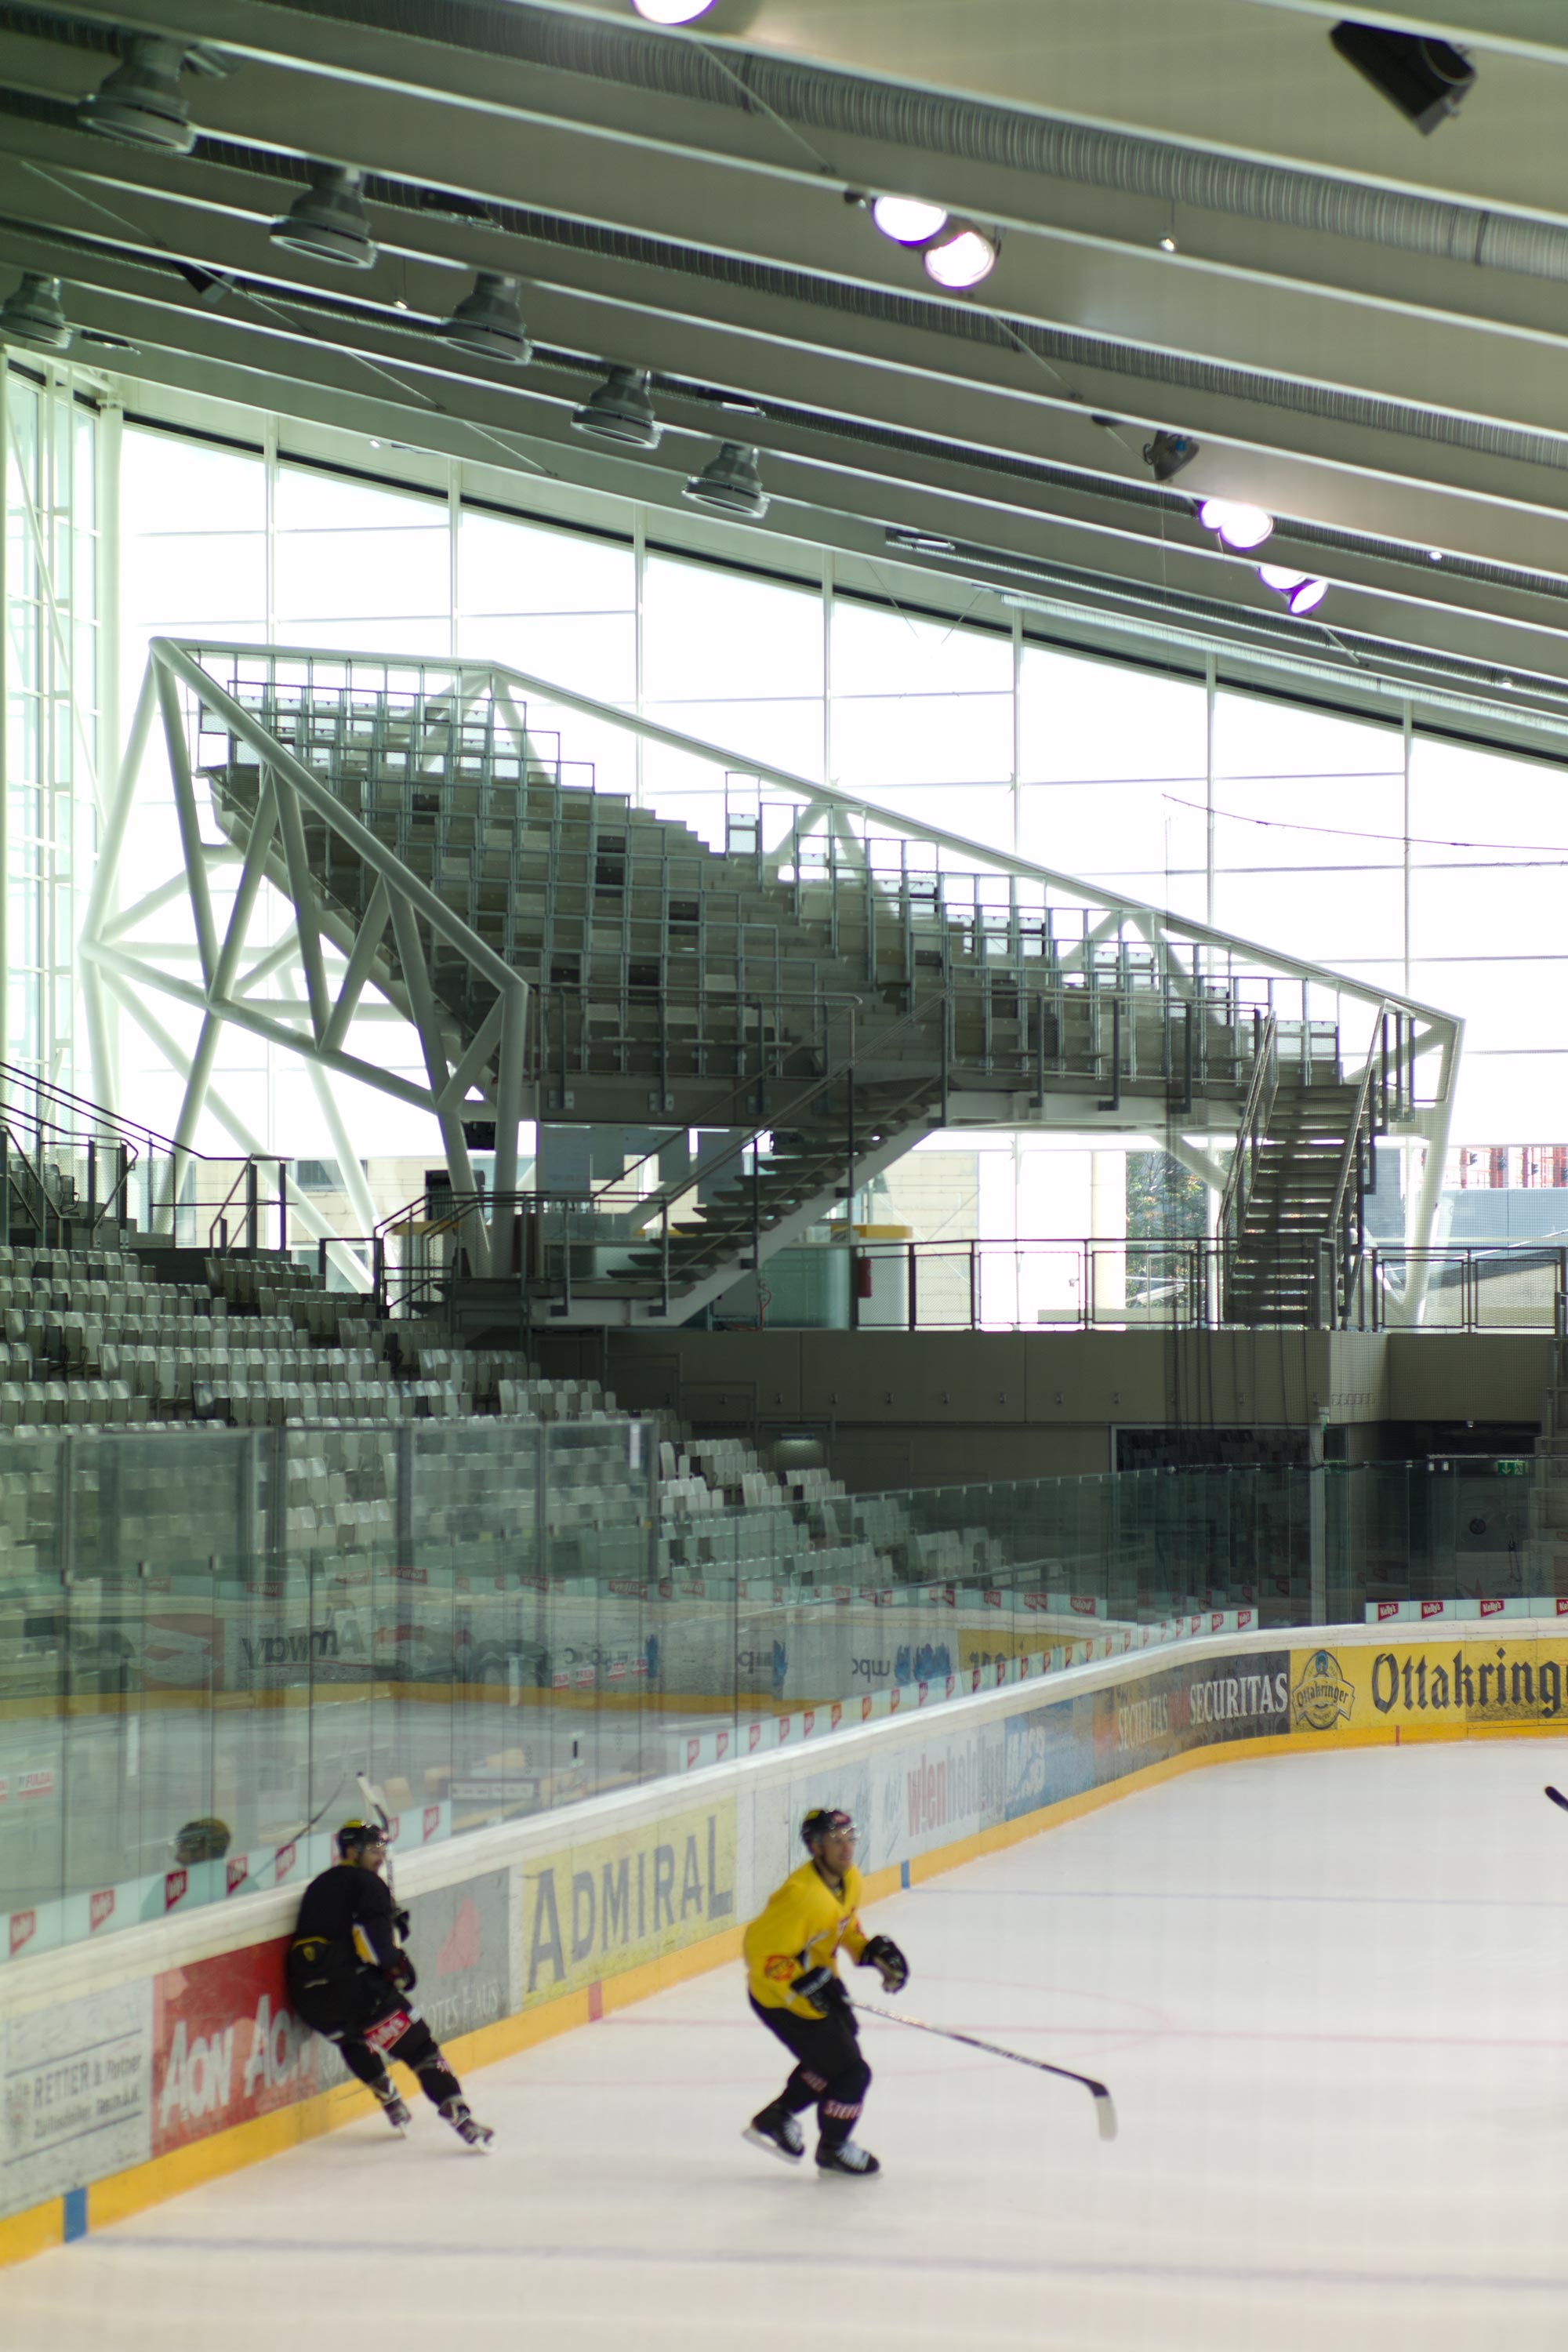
[206, 1638]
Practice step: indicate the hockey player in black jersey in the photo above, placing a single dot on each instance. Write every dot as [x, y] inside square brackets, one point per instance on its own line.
[349, 1979]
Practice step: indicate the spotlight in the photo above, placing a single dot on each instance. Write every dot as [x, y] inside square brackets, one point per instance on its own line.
[140, 101]
[489, 323]
[1167, 245]
[33, 316]
[328, 222]
[906, 220]
[1423, 77]
[1168, 453]
[729, 483]
[1300, 591]
[672, 12]
[961, 256]
[1237, 524]
[620, 410]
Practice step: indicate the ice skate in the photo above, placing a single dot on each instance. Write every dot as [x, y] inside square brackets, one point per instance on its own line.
[472, 2134]
[776, 2130]
[854, 2163]
[396, 2110]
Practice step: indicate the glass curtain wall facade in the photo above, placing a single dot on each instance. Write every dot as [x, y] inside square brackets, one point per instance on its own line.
[1397, 857]
[54, 585]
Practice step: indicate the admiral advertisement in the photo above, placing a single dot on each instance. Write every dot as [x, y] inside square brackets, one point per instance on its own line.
[1428, 1687]
[594, 1909]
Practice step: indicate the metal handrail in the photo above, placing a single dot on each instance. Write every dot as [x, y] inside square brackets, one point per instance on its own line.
[1257, 1111]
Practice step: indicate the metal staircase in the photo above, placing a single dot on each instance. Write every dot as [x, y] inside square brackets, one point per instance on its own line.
[823, 982]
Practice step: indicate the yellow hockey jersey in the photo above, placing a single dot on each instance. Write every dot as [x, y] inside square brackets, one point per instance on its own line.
[803, 1926]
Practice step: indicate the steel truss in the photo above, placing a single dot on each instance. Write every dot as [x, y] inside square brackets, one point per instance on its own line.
[326, 963]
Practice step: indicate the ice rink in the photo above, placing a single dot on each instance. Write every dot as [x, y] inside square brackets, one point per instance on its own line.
[1330, 1996]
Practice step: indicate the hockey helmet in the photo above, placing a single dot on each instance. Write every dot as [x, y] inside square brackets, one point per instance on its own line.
[206, 1839]
[354, 1836]
[824, 1822]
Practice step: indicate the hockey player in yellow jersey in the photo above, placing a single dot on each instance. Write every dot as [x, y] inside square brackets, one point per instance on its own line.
[792, 1950]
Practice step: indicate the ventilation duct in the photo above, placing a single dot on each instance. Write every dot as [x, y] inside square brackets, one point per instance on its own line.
[816, 98]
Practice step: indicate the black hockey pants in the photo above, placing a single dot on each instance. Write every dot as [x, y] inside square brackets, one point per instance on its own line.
[829, 2074]
[370, 2020]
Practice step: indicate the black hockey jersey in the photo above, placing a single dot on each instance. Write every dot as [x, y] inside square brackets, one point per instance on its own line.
[349, 1910]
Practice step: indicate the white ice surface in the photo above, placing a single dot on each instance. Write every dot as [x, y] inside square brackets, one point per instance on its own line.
[1329, 1993]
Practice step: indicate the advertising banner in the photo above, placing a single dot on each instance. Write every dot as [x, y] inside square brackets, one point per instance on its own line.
[594, 1909]
[1049, 1755]
[226, 2046]
[75, 2083]
[948, 1788]
[459, 1938]
[1428, 1685]
[1197, 1704]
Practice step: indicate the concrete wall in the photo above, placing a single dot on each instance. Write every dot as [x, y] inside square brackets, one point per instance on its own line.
[924, 1408]
[167, 2055]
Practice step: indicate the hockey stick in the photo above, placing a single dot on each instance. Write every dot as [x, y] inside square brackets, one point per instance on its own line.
[1104, 2106]
[1557, 1797]
[377, 1805]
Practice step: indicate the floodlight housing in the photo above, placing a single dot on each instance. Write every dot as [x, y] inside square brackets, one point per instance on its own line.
[672, 12]
[34, 316]
[908, 220]
[140, 103]
[960, 256]
[489, 323]
[1167, 453]
[619, 410]
[1424, 78]
[327, 223]
[1238, 524]
[729, 483]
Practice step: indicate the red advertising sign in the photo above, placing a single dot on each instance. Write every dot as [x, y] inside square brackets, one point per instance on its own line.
[100, 1907]
[226, 2045]
[23, 1927]
[238, 1870]
[175, 1884]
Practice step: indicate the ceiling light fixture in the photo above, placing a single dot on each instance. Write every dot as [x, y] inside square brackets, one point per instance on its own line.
[33, 315]
[954, 252]
[907, 219]
[1300, 591]
[961, 257]
[489, 322]
[1167, 453]
[672, 12]
[1238, 524]
[619, 410]
[1423, 77]
[327, 223]
[140, 103]
[729, 483]
[1167, 244]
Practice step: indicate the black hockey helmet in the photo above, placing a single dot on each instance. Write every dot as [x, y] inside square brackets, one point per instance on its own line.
[206, 1839]
[824, 1822]
[354, 1836]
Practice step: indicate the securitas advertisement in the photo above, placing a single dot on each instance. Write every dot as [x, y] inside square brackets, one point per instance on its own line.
[1069, 1746]
[1428, 1687]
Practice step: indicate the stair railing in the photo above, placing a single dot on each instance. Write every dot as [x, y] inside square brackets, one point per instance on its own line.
[1345, 1241]
[1252, 1133]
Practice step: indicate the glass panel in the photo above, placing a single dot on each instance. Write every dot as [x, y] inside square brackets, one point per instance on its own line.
[519, 567]
[700, 624]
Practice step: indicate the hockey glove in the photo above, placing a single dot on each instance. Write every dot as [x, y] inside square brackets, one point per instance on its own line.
[400, 1921]
[883, 1954]
[823, 1989]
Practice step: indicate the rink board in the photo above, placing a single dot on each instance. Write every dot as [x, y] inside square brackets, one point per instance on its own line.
[139, 2067]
